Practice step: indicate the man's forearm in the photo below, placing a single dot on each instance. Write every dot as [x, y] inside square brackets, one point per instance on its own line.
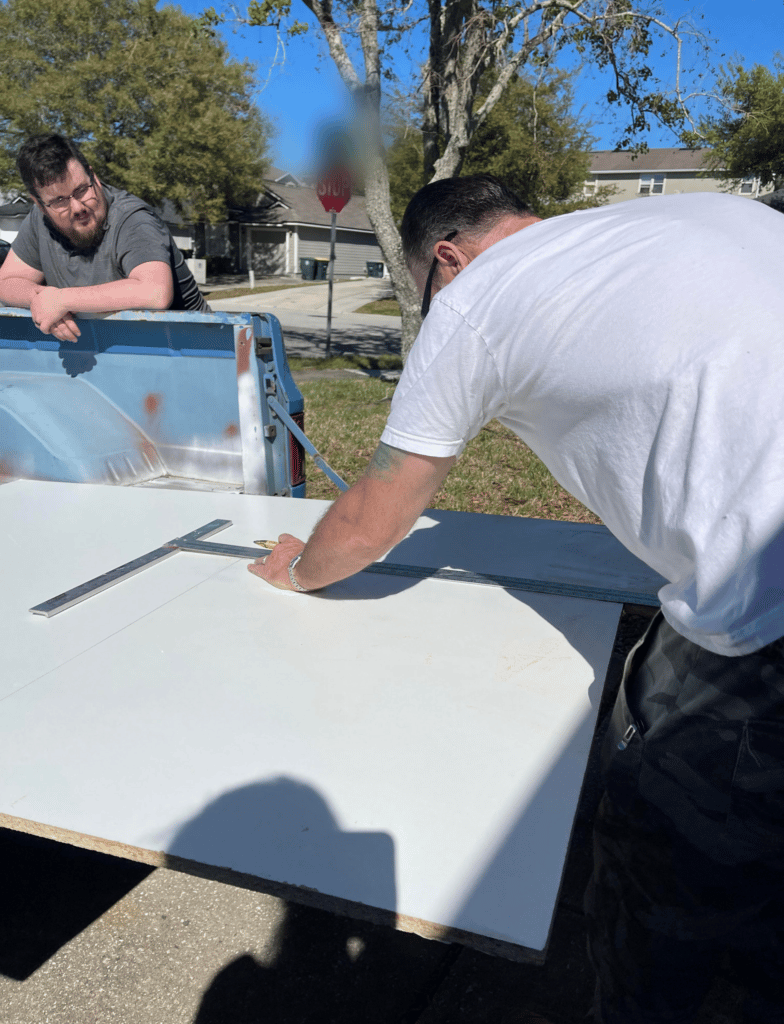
[364, 523]
[115, 295]
[348, 538]
[370, 518]
[18, 291]
[96, 298]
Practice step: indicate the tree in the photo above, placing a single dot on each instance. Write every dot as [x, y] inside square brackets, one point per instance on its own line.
[462, 40]
[747, 137]
[149, 95]
[404, 162]
[531, 139]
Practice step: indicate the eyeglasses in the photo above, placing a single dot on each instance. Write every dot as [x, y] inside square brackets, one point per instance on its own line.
[63, 202]
[431, 275]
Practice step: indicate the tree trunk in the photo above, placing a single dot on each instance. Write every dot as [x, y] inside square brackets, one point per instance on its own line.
[380, 215]
[377, 179]
[465, 38]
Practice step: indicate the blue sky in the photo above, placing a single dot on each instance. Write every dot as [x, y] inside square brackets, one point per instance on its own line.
[305, 91]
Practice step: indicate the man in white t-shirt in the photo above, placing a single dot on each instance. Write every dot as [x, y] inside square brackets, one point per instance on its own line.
[637, 349]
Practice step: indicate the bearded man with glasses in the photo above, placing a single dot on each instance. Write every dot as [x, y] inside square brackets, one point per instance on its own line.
[88, 247]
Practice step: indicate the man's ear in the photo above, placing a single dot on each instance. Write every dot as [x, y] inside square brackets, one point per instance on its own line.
[450, 256]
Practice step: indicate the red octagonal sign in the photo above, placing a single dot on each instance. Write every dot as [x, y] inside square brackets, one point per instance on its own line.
[334, 189]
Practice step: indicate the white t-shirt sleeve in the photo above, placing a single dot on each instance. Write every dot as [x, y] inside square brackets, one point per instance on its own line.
[449, 390]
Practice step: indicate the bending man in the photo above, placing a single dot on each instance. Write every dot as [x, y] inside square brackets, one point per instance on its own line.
[637, 350]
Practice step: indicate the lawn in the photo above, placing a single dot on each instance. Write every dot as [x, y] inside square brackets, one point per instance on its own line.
[497, 473]
[385, 307]
[241, 292]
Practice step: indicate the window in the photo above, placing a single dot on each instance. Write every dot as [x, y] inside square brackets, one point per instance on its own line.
[651, 184]
[589, 188]
[748, 186]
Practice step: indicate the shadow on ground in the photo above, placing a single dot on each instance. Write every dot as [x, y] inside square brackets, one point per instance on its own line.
[49, 892]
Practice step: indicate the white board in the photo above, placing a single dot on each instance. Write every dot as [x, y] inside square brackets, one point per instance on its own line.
[416, 746]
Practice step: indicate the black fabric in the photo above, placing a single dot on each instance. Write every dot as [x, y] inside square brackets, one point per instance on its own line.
[689, 838]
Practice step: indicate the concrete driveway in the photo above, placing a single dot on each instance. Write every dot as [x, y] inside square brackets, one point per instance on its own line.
[302, 312]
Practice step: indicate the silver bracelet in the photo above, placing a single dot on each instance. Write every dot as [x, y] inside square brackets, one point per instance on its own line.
[293, 578]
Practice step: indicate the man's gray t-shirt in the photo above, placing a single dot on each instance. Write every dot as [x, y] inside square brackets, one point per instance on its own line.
[134, 235]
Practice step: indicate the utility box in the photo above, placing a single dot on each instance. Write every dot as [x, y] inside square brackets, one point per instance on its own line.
[199, 270]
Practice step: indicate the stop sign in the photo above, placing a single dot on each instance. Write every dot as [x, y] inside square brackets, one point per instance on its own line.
[334, 189]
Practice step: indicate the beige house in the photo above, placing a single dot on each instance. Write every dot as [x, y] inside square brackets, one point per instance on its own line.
[660, 172]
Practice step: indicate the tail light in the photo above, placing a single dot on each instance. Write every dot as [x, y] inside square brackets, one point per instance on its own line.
[297, 452]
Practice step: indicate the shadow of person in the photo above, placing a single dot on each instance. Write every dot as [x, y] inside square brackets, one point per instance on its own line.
[327, 970]
[50, 892]
[282, 830]
[317, 965]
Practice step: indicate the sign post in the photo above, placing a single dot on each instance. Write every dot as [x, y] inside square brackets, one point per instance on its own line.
[334, 191]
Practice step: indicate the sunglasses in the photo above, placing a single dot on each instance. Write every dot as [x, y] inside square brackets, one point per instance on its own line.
[431, 275]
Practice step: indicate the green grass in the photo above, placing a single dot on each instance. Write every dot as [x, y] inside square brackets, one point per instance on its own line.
[238, 293]
[385, 307]
[497, 473]
[345, 362]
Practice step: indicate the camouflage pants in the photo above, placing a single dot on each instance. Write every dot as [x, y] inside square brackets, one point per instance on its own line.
[689, 838]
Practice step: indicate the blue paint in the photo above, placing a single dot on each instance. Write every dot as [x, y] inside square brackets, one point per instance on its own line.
[141, 396]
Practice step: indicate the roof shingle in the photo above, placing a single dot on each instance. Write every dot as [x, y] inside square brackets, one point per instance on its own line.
[607, 161]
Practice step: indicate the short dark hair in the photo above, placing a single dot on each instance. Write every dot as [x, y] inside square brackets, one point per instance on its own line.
[467, 205]
[44, 159]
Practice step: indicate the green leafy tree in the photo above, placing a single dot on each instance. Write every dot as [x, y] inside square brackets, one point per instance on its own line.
[454, 43]
[149, 95]
[747, 137]
[532, 140]
[405, 167]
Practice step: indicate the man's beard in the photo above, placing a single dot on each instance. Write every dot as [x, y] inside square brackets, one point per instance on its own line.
[88, 237]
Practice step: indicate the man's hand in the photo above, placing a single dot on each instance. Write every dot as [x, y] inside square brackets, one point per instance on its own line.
[362, 524]
[51, 315]
[274, 569]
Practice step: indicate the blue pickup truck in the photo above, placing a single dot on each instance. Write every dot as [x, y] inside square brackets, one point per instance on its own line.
[168, 399]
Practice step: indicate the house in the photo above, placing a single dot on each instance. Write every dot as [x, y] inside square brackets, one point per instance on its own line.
[12, 213]
[287, 224]
[660, 172]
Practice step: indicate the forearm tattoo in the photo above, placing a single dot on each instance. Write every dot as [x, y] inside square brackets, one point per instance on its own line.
[386, 462]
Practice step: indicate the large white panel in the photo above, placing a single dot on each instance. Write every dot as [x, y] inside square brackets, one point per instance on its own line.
[416, 746]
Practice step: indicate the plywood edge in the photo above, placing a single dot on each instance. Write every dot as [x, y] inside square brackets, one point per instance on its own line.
[83, 841]
[292, 893]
